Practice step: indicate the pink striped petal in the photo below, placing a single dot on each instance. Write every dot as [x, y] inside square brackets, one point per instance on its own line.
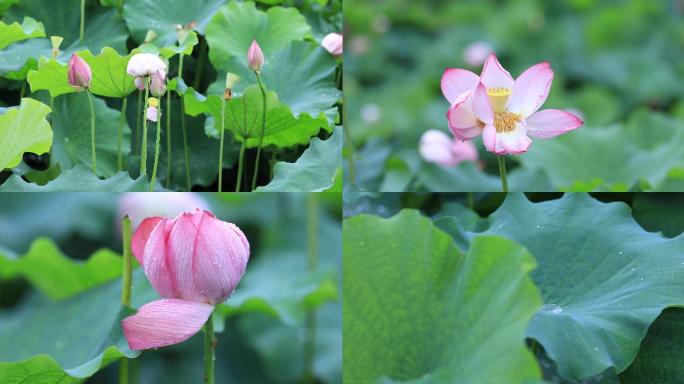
[531, 89]
[551, 122]
[462, 121]
[456, 81]
[494, 75]
[141, 235]
[510, 143]
[481, 106]
[221, 256]
[437, 147]
[156, 257]
[182, 248]
[164, 322]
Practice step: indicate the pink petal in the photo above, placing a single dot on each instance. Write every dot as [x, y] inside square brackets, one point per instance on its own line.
[164, 322]
[551, 123]
[456, 81]
[510, 143]
[141, 235]
[155, 260]
[437, 147]
[481, 106]
[220, 259]
[494, 75]
[464, 151]
[462, 121]
[531, 89]
[182, 248]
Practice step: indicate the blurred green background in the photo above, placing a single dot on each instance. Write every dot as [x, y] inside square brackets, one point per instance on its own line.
[267, 328]
[617, 63]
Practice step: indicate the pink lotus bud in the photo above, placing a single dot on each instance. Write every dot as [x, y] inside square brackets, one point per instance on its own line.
[158, 83]
[194, 262]
[144, 64]
[139, 83]
[333, 44]
[476, 53]
[255, 57]
[79, 73]
[139, 205]
[437, 147]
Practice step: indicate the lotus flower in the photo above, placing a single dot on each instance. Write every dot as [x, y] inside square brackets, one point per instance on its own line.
[158, 83]
[255, 57]
[139, 205]
[333, 44]
[437, 147]
[503, 110]
[194, 262]
[79, 73]
[153, 113]
[144, 64]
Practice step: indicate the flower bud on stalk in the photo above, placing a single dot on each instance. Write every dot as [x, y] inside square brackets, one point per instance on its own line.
[231, 80]
[56, 43]
[194, 262]
[255, 57]
[158, 83]
[333, 44]
[150, 36]
[79, 73]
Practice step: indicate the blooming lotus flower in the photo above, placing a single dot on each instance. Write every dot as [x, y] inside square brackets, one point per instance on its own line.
[158, 83]
[194, 262]
[437, 147]
[144, 64]
[503, 110]
[139, 205]
[255, 57]
[333, 44]
[79, 73]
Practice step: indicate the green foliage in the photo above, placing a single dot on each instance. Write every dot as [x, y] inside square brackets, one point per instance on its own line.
[24, 129]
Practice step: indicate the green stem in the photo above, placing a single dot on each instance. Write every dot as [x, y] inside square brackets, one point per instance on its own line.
[137, 124]
[312, 262]
[126, 288]
[502, 173]
[471, 201]
[186, 152]
[350, 153]
[168, 139]
[209, 351]
[22, 92]
[143, 145]
[200, 63]
[156, 154]
[263, 129]
[223, 131]
[119, 142]
[241, 160]
[82, 19]
[92, 133]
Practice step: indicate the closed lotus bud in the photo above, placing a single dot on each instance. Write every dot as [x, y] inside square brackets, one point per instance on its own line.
[139, 83]
[255, 57]
[194, 262]
[56, 43]
[333, 44]
[158, 83]
[144, 64]
[79, 73]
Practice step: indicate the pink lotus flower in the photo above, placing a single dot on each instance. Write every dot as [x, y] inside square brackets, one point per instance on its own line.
[139, 205]
[144, 64]
[194, 262]
[333, 44]
[255, 57]
[79, 73]
[152, 114]
[437, 147]
[158, 83]
[503, 110]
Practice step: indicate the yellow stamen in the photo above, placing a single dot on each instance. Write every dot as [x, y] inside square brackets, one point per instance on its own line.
[153, 102]
[498, 98]
[505, 122]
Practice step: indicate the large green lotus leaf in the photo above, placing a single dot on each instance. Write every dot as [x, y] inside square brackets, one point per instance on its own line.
[661, 356]
[231, 31]
[21, 57]
[58, 276]
[314, 171]
[11, 33]
[418, 310]
[302, 74]
[603, 278]
[24, 129]
[607, 157]
[103, 27]
[244, 117]
[81, 179]
[162, 16]
[71, 125]
[663, 212]
[466, 177]
[108, 69]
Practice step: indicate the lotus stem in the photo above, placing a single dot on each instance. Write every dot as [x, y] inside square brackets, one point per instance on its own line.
[312, 262]
[502, 173]
[126, 288]
[82, 19]
[119, 142]
[156, 154]
[209, 350]
[93, 156]
[263, 129]
[241, 161]
[223, 131]
[137, 124]
[168, 139]
[143, 145]
[200, 64]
